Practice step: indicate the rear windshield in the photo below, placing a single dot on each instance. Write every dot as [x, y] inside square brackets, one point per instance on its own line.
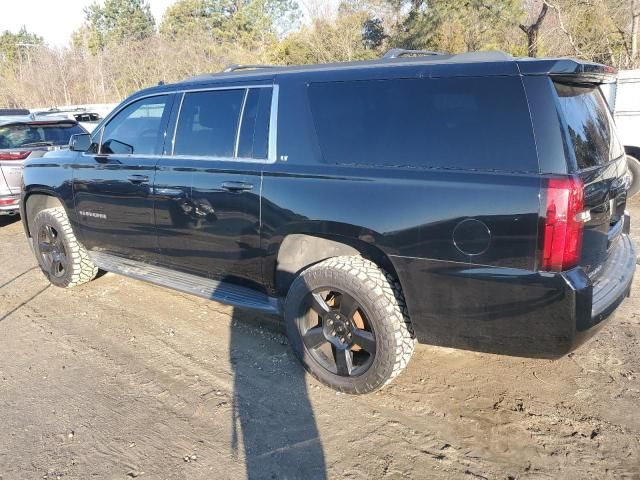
[590, 125]
[461, 123]
[17, 136]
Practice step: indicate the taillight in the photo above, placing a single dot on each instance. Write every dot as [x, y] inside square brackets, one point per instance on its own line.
[563, 225]
[14, 155]
[8, 201]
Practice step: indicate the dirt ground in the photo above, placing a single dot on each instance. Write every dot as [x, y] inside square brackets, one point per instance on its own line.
[118, 379]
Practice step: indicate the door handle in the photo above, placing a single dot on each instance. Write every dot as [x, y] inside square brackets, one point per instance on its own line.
[237, 186]
[137, 179]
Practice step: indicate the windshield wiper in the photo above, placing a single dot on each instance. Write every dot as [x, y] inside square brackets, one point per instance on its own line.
[37, 144]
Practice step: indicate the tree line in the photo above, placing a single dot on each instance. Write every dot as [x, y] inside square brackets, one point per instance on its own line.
[121, 47]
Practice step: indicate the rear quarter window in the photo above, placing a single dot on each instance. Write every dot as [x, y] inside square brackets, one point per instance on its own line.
[478, 123]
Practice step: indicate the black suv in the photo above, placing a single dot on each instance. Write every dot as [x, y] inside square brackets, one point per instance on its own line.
[473, 201]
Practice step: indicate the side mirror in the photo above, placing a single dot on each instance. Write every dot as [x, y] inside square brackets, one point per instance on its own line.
[80, 142]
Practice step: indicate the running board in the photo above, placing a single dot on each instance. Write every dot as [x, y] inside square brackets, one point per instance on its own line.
[222, 292]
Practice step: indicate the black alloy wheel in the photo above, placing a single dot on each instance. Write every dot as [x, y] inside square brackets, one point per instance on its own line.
[52, 251]
[62, 259]
[336, 332]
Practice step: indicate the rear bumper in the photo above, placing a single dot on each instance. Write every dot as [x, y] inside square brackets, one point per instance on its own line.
[513, 311]
[607, 291]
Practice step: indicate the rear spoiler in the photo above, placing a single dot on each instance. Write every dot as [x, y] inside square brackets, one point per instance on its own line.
[569, 70]
[593, 73]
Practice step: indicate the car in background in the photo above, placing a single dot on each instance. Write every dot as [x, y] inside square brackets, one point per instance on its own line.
[87, 118]
[88, 115]
[25, 136]
[623, 98]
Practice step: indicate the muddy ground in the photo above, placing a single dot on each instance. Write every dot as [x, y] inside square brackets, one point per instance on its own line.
[118, 379]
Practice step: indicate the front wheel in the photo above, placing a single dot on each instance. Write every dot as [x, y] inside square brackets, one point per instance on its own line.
[347, 322]
[61, 258]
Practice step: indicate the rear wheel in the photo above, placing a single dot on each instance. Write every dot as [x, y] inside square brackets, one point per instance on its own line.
[634, 170]
[61, 258]
[348, 324]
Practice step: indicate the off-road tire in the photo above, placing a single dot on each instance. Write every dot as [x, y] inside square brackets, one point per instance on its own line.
[79, 268]
[380, 295]
[634, 169]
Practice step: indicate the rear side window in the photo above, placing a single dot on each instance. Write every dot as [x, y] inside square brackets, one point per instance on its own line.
[589, 125]
[224, 123]
[461, 123]
[254, 131]
[208, 123]
[136, 129]
[24, 135]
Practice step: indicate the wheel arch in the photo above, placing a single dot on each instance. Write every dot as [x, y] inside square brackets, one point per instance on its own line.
[299, 251]
[36, 201]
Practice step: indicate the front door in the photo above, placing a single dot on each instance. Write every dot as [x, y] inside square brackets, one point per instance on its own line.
[113, 182]
[208, 185]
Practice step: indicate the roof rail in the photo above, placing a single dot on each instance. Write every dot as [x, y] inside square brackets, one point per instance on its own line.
[399, 52]
[234, 67]
[13, 111]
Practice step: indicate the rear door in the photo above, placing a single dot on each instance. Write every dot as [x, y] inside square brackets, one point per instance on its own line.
[113, 181]
[596, 154]
[207, 189]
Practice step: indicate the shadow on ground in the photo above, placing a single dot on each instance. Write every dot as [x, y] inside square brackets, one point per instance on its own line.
[272, 418]
[8, 220]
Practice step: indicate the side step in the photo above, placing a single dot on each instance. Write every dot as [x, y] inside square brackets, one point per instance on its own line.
[222, 292]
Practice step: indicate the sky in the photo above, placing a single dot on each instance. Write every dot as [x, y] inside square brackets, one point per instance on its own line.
[56, 20]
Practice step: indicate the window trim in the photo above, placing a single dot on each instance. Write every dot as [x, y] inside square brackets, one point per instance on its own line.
[273, 126]
[239, 127]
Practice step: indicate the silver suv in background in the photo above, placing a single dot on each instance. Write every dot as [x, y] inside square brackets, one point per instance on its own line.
[25, 136]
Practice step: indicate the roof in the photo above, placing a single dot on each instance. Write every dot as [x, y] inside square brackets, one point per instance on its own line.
[470, 63]
[462, 58]
[491, 63]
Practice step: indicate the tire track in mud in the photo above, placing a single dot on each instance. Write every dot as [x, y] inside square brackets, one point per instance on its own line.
[154, 402]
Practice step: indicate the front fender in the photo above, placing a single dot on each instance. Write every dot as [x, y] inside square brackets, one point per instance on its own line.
[52, 176]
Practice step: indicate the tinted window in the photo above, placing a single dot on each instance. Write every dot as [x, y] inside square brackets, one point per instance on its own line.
[254, 132]
[136, 129]
[590, 125]
[468, 123]
[15, 136]
[208, 123]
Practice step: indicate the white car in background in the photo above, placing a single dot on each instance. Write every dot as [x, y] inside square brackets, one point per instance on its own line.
[624, 101]
[24, 136]
[85, 116]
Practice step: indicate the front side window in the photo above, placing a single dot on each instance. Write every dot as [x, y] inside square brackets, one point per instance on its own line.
[136, 129]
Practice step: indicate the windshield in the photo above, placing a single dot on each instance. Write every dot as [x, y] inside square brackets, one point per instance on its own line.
[590, 125]
[23, 135]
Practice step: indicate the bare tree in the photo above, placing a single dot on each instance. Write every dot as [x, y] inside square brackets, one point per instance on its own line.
[635, 29]
[532, 30]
